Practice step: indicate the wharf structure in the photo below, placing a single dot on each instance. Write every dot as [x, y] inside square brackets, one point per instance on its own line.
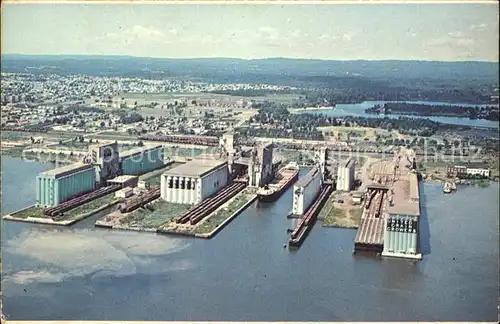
[306, 190]
[309, 195]
[390, 220]
[194, 181]
[403, 219]
[58, 185]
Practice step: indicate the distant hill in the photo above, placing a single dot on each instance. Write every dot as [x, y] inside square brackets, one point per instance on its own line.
[258, 70]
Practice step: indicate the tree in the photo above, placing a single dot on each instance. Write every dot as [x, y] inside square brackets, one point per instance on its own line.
[140, 144]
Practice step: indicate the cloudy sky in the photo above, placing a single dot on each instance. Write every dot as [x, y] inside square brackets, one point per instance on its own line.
[449, 32]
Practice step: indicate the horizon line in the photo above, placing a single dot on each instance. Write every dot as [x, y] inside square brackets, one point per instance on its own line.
[255, 59]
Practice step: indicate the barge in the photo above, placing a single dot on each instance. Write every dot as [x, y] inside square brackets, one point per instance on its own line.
[284, 178]
[309, 218]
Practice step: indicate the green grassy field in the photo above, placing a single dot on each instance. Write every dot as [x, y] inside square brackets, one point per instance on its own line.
[30, 212]
[75, 213]
[88, 207]
[343, 218]
[221, 215]
[154, 215]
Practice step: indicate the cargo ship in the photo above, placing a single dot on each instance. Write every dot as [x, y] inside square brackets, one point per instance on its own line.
[284, 178]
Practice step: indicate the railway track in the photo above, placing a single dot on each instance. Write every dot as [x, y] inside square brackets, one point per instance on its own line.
[134, 203]
[205, 141]
[215, 204]
[79, 200]
[196, 214]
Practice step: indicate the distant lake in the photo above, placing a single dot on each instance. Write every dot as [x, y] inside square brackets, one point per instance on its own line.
[359, 110]
[244, 273]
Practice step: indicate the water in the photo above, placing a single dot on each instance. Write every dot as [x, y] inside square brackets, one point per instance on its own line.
[359, 110]
[244, 273]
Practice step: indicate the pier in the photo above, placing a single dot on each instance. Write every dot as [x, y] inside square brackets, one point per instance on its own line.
[309, 218]
[390, 220]
[370, 235]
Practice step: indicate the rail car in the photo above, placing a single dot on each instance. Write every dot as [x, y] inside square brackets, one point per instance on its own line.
[200, 211]
[139, 201]
[205, 141]
[79, 200]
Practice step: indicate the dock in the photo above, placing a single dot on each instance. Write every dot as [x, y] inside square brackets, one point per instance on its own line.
[390, 220]
[370, 235]
[307, 221]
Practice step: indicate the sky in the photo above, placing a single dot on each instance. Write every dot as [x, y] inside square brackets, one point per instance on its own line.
[442, 32]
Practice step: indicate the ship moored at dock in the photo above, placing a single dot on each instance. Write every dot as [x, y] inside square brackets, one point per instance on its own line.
[284, 178]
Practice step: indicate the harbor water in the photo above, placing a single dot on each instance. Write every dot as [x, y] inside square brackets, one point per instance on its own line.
[359, 110]
[244, 272]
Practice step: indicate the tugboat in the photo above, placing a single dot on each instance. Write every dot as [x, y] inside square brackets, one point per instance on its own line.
[447, 188]
[284, 178]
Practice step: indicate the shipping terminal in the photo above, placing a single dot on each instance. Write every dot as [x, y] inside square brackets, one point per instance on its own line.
[144, 190]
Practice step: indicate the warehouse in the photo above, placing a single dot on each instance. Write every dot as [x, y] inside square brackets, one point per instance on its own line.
[194, 181]
[142, 160]
[402, 224]
[345, 175]
[124, 181]
[306, 190]
[58, 185]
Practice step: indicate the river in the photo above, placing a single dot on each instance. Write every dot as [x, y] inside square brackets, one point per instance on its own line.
[359, 110]
[244, 273]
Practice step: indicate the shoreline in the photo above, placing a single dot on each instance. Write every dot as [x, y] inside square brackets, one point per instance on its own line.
[228, 220]
[174, 231]
[50, 221]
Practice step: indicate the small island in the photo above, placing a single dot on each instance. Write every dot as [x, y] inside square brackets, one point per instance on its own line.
[414, 109]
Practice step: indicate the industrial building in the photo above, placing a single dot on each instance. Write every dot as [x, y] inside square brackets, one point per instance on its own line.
[106, 158]
[345, 175]
[306, 190]
[58, 185]
[473, 170]
[470, 169]
[194, 181]
[401, 232]
[260, 166]
[124, 181]
[142, 160]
